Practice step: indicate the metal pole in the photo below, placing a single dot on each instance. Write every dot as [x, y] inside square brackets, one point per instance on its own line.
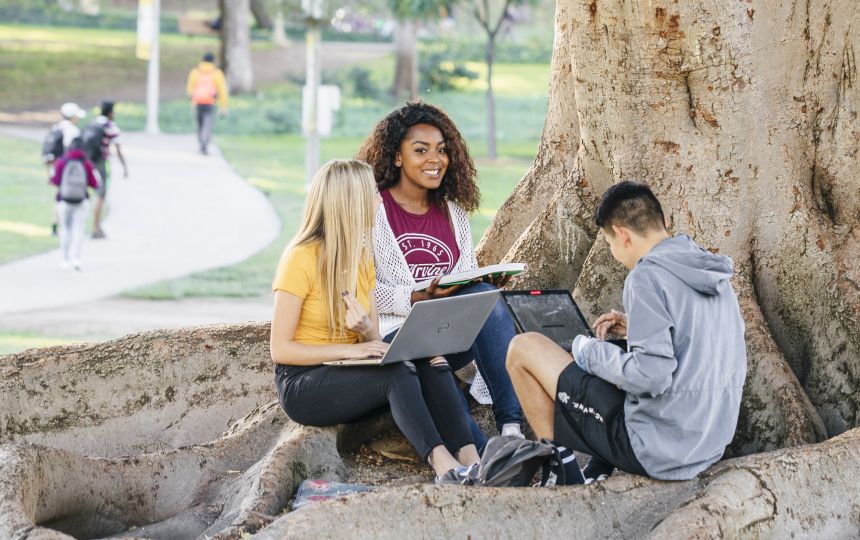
[153, 72]
[312, 80]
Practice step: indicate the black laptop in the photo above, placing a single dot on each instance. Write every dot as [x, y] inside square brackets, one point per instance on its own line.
[551, 312]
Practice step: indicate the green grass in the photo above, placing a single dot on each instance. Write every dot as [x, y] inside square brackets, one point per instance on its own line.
[46, 64]
[13, 343]
[26, 201]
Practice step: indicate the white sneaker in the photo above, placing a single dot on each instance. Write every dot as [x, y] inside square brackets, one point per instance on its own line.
[76, 264]
[65, 265]
[600, 478]
[512, 430]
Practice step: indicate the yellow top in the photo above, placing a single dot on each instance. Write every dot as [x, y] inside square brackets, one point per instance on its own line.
[298, 274]
[218, 80]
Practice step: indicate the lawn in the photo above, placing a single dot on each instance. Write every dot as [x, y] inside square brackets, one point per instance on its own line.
[26, 201]
[260, 138]
[52, 63]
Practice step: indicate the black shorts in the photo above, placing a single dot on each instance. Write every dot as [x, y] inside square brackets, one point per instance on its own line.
[589, 418]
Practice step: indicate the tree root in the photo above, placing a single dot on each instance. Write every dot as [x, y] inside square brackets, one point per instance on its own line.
[777, 494]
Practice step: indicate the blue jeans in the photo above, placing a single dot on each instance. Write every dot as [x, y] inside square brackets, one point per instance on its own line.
[489, 352]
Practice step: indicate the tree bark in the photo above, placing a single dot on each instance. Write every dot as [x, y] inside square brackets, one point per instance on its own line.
[782, 494]
[406, 66]
[261, 15]
[236, 45]
[742, 118]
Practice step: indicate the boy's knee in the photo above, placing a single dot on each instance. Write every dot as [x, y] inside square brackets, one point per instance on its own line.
[520, 350]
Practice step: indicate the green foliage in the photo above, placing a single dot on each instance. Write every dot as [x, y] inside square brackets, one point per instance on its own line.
[416, 9]
[44, 12]
[440, 73]
[531, 50]
[356, 82]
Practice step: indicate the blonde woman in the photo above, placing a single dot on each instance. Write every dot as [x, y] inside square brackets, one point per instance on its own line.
[325, 310]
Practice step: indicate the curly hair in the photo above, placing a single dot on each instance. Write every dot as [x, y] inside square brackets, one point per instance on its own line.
[379, 150]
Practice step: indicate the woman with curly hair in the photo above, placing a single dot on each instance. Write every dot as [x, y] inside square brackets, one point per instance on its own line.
[427, 181]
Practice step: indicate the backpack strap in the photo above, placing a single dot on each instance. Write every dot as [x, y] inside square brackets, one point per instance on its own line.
[553, 461]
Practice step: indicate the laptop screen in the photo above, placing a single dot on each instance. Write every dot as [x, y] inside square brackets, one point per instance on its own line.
[553, 313]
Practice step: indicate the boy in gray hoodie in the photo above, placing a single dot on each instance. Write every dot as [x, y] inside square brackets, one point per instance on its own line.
[667, 406]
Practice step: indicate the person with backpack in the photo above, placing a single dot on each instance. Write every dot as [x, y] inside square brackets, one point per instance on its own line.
[206, 83]
[98, 136]
[667, 405]
[58, 139]
[73, 175]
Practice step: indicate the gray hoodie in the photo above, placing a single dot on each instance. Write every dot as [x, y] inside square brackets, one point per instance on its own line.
[685, 369]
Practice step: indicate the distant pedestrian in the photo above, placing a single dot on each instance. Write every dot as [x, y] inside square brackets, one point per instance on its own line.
[98, 136]
[206, 83]
[73, 174]
[58, 139]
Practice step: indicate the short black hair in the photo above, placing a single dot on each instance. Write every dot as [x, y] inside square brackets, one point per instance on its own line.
[631, 205]
[208, 57]
[76, 144]
[107, 107]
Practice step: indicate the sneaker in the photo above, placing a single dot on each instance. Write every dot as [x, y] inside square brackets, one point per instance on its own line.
[460, 476]
[512, 430]
[76, 264]
[65, 265]
[600, 478]
[596, 469]
[99, 234]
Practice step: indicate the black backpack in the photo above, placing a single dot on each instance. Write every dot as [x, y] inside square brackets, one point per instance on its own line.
[52, 144]
[92, 137]
[513, 461]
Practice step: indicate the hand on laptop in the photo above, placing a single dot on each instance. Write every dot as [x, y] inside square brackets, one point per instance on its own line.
[366, 349]
[614, 322]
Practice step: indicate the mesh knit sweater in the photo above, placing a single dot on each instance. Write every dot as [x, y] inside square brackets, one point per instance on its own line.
[394, 281]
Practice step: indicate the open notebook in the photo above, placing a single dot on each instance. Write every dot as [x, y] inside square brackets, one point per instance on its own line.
[459, 278]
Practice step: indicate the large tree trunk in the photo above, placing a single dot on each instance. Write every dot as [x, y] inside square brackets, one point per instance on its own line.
[406, 66]
[236, 45]
[743, 119]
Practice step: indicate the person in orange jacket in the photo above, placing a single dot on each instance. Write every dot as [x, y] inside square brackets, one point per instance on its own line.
[206, 83]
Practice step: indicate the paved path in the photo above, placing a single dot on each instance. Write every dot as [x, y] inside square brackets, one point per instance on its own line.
[177, 213]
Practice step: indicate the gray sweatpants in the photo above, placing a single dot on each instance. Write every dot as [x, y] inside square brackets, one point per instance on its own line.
[205, 125]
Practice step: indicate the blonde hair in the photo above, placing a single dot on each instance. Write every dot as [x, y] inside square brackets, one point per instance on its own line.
[338, 214]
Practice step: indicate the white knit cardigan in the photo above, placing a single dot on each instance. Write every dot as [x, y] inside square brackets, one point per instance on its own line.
[394, 281]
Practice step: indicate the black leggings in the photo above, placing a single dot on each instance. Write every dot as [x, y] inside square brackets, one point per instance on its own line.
[423, 399]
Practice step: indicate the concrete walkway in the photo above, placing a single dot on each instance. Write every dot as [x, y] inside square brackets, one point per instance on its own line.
[177, 213]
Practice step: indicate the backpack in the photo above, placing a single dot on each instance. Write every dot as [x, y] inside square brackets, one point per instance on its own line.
[513, 461]
[92, 137]
[204, 89]
[73, 182]
[52, 144]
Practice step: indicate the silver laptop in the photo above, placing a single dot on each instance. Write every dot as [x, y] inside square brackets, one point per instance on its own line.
[435, 328]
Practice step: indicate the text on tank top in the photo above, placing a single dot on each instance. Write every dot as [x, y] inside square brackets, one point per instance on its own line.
[427, 240]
